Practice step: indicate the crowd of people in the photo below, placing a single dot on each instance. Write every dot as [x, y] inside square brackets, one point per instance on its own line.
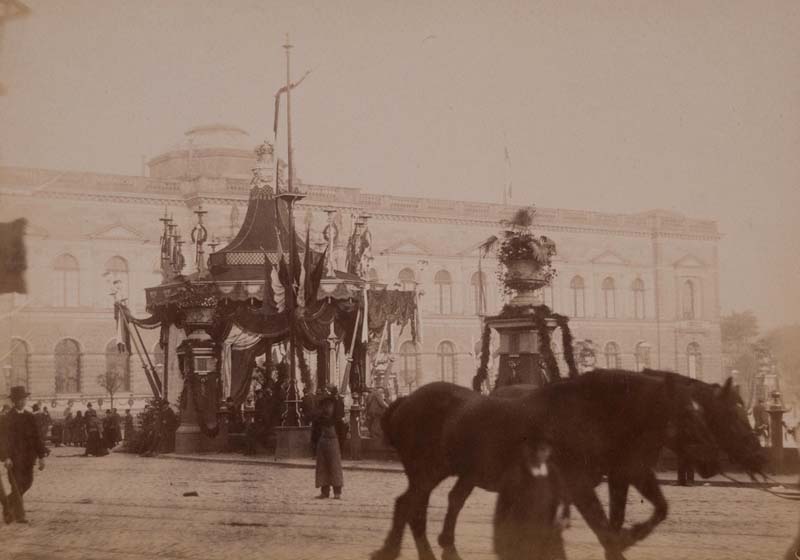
[87, 429]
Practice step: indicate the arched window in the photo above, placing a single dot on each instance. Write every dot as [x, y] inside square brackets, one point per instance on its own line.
[407, 280]
[688, 300]
[68, 366]
[409, 363]
[578, 289]
[116, 272]
[638, 298]
[444, 292]
[118, 364]
[612, 356]
[642, 356]
[694, 361]
[609, 298]
[66, 276]
[478, 285]
[372, 275]
[446, 353]
[20, 355]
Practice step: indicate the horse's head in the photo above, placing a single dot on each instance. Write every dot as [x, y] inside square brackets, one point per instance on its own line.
[691, 435]
[726, 416]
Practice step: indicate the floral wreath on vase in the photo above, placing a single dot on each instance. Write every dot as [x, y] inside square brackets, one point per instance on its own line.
[519, 243]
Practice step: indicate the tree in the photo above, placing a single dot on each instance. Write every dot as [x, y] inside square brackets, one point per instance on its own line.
[739, 329]
[112, 382]
[784, 343]
[738, 333]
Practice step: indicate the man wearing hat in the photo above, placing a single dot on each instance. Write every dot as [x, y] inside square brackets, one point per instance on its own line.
[20, 447]
[325, 444]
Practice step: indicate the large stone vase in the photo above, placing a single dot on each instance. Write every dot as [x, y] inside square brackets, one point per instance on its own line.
[526, 277]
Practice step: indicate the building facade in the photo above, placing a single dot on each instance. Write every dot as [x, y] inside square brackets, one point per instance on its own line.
[642, 287]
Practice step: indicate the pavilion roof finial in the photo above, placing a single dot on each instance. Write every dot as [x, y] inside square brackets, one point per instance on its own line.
[264, 170]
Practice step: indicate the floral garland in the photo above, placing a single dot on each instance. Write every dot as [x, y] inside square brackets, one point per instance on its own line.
[482, 375]
[566, 341]
[539, 315]
[545, 345]
[305, 371]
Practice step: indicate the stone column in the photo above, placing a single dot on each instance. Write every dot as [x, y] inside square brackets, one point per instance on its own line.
[776, 439]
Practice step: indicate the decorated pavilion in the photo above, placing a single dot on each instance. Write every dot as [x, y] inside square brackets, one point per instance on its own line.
[266, 288]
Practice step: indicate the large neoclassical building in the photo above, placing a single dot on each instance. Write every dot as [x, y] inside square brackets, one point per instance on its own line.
[642, 287]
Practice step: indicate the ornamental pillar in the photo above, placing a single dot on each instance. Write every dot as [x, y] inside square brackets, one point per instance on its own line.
[199, 365]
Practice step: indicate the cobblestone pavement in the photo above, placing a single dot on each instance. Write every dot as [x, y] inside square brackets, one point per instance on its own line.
[124, 507]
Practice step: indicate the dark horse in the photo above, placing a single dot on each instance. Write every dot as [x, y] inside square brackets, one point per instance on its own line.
[724, 413]
[616, 422]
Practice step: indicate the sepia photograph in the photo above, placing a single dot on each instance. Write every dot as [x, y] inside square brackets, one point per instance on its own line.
[418, 280]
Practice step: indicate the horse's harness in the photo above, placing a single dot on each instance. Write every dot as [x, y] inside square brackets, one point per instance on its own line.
[793, 496]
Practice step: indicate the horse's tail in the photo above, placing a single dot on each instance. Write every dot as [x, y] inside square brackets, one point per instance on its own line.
[386, 421]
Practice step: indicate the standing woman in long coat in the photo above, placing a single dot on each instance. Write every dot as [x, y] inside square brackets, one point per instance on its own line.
[79, 429]
[325, 442]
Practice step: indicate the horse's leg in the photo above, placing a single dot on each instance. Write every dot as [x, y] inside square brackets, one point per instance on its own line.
[648, 487]
[418, 520]
[618, 500]
[455, 501]
[402, 513]
[592, 511]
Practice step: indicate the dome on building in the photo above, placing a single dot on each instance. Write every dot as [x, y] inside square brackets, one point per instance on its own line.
[216, 150]
[219, 136]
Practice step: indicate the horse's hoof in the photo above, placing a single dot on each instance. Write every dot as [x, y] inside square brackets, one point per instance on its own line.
[450, 554]
[384, 554]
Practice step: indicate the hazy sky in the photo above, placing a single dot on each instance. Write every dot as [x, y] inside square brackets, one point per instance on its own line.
[613, 106]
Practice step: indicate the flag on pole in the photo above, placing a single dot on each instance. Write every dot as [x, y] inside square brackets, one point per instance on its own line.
[365, 320]
[122, 335]
[268, 301]
[13, 261]
[283, 278]
[306, 272]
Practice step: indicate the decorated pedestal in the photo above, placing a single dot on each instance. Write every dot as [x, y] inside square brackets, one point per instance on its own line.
[525, 325]
[199, 430]
[520, 359]
[525, 352]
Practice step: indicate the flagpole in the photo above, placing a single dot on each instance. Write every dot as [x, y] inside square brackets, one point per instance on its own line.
[292, 416]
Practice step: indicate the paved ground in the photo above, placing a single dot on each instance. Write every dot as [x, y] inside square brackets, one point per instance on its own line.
[125, 507]
[789, 482]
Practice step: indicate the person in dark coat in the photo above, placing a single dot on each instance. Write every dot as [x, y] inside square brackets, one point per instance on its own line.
[325, 444]
[21, 446]
[79, 435]
[531, 509]
[94, 435]
[128, 424]
[108, 430]
[41, 421]
[117, 424]
[67, 431]
[339, 415]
